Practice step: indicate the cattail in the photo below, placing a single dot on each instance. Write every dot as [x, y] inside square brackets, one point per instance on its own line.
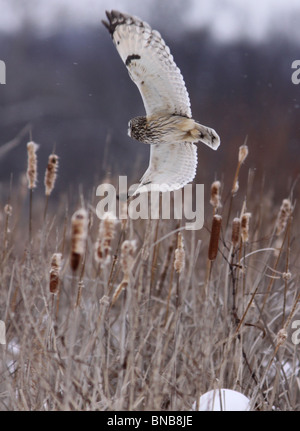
[214, 237]
[128, 249]
[281, 336]
[245, 227]
[8, 210]
[179, 261]
[235, 233]
[54, 272]
[215, 200]
[50, 175]
[243, 153]
[235, 187]
[78, 237]
[283, 215]
[32, 148]
[105, 236]
[286, 276]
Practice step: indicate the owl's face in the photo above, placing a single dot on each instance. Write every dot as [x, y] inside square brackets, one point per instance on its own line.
[137, 128]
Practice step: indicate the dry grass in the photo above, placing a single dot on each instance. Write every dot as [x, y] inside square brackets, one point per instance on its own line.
[128, 329]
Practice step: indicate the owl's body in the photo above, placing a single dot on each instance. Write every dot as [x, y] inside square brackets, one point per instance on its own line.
[159, 129]
[168, 125]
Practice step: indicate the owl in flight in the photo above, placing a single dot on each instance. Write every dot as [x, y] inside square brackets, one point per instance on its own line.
[168, 125]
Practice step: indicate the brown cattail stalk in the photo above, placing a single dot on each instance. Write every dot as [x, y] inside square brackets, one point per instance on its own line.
[179, 261]
[245, 227]
[54, 272]
[78, 237]
[32, 148]
[215, 199]
[50, 177]
[105, 237]
[128, 249]
[214, 237]
[235, 233]
[283, 216]
[50, 174]
[8, 213]
[243, 153]
[212, 248]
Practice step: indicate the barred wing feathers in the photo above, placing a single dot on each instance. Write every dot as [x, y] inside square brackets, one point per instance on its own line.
[150, 65]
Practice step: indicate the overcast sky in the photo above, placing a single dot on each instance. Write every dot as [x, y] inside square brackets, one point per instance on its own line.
[227, 20]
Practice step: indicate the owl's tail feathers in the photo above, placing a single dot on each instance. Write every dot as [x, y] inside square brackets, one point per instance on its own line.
[208, 136]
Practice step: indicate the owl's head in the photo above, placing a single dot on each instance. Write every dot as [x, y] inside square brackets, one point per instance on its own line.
[137, 128]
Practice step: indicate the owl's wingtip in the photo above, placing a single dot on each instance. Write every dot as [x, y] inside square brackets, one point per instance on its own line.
[115, 18]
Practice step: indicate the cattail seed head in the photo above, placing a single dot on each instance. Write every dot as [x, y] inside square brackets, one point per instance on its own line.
[128, 249]
[283, 216]
[105, 237]
[179, 261]
[245, 227]
[8, 210]
[54, 272]
[281, 336]
[32, 148]
[235, 187]
[215, 200]
[51, 173]
[286, 276]
[78, 237]
[235, 233]
[243, 153]
[214, 237]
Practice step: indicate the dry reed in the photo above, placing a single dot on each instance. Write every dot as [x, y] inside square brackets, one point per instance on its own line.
[32, 148]
[51, 174]
[245, 227]
[54, 272]
[106, 235]
[235, 232]
[283, 216]
[214, 237]
[215, 199]
[179, 261]
[127, 259]
[78, 237]
[153, 350]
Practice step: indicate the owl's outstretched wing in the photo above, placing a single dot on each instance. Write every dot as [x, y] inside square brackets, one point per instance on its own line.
[171, 167]
[150, 65]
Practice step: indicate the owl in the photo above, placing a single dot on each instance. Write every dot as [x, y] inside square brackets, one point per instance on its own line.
[168, 126]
